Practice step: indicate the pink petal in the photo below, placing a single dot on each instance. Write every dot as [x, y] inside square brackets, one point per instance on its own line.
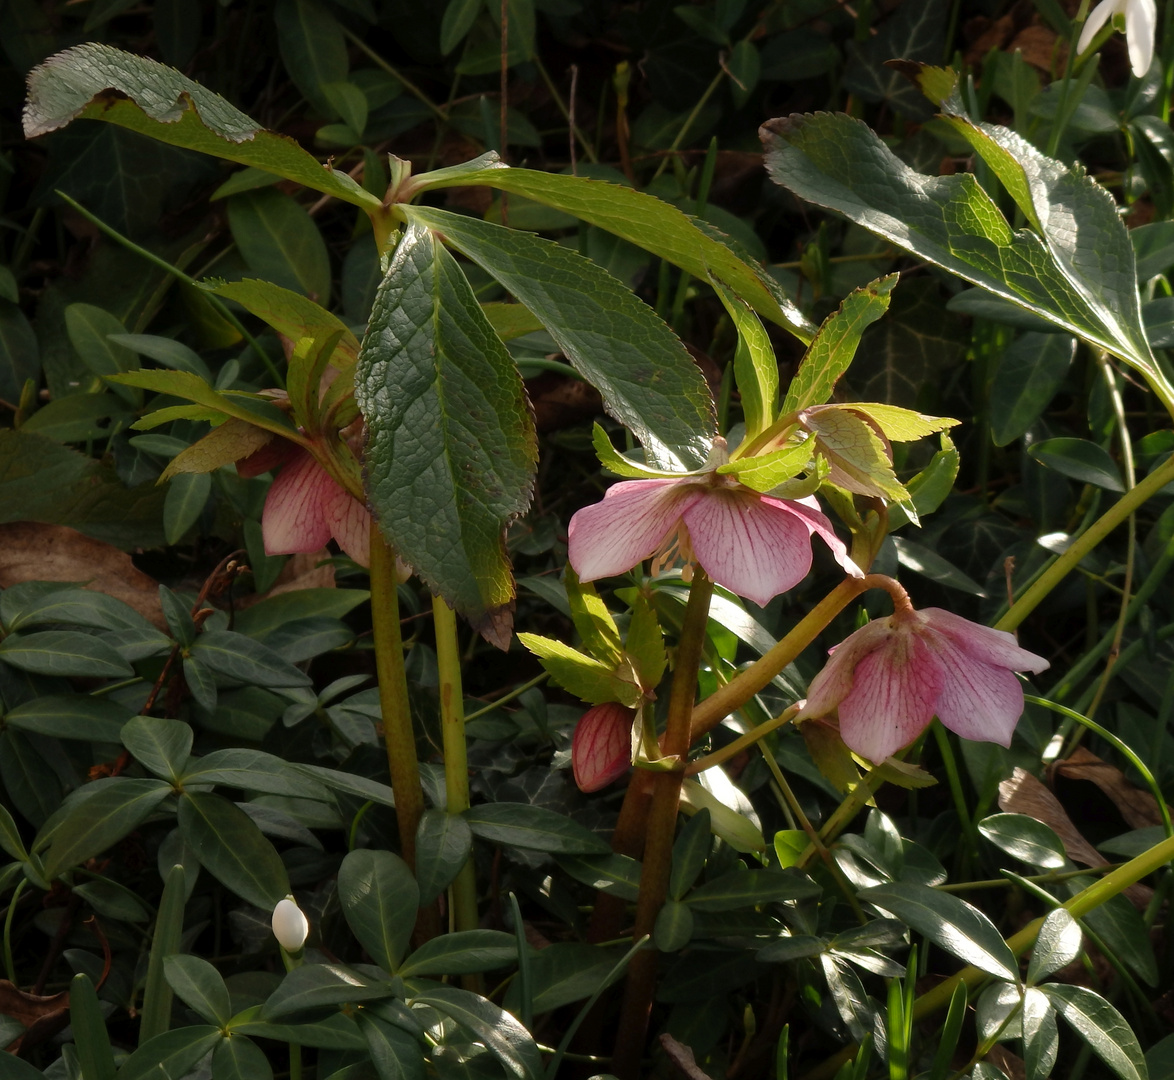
[977, 701]
[982, 643]
[350, 524]
[293, 519]
[630, 524]
[817, 522]
[835, 681]
[892, 699]
[755, 547]
[275, 453]
[601, 750]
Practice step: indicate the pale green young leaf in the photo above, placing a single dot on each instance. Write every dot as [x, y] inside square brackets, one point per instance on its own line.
[756, 371]
[765, 472]
[231, 441]
[593, 621]
[592, 680]
[615, 462]
[901, 425]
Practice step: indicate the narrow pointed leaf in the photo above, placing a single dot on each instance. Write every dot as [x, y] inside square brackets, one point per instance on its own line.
[534, 828]
[756, 371]
[95, 1056]
[451, 445]
[157, 995]
[158, 101]
[461, 953]
[160, 745]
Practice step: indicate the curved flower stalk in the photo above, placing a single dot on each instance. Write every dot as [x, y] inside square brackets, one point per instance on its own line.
[753, 544]
[891, 677]
[1140, 19]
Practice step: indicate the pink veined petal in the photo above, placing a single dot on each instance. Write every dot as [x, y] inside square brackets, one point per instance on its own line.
[892, 698]
[275, 453]
[350, 524]
[753, 546]
[982, 643]
[633, 520]
[293, 520]
[817, 522]
[978, 701]
[1096, 19]
[1141, 18]
[601, 749]
[835, 681]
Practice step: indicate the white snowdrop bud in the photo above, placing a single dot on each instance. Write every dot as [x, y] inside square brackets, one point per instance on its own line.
[290, 926]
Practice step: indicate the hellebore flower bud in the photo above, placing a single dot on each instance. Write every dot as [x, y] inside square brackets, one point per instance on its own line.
[290, 926]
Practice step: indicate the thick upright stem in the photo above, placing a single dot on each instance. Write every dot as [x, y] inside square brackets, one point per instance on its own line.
[662, 820]
[398, 735]
[456, 765]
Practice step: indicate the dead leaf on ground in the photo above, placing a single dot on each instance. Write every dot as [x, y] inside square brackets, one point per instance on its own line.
[1007, 1063]
[30, 551]
[42, 1017]
[1024, 794]
[1138, 808]
[1041, 48]
[682, 1057]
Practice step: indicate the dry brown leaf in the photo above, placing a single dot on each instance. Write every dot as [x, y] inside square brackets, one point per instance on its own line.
[30, 551]
[1024, 794]
[1007, 1063]
[682, 1057]
[1041, 48]
[1138, 808]
[42, 1017]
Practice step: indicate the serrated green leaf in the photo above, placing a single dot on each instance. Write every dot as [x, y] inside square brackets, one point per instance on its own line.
[929, 488]
[444, 843]
[593, 621]
[902, 425]
[166, 105]
[644, 644]
[647, 379]
[756, 371]
[1101, 1026]
[949, 922]
[592, 680]
[643, 220]
[1080, 276]
[451, 444]
[183, 384]
[834, 346]
[289, 313]
[231, 441]
[232, 849]
[615, 462]
[765, 472]
[379, 898]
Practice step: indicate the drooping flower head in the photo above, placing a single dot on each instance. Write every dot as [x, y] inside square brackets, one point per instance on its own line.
[753, 544]
[305, 506]
[891, 677]
[1140, 16]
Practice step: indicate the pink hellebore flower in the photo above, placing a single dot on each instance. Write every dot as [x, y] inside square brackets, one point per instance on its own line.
[305, 507]
[892, 676]
[755, 545]
[601, 750]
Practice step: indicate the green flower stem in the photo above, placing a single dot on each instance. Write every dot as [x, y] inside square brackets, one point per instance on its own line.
[742, 743]
[402, 79]
[661, 827]
[1079, 905]
[456, 764]
[398, 735]
[743, 686]
[1024, 605]
[9, 966]
[187, 279]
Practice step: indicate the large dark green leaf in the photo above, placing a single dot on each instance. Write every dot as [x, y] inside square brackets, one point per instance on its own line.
[231, 847]
[451, 445]
[1079, 275]
[443, 845]
[1029, 374]
[497, 1029]
[647, 379]
[316, 987]
[174, 1053]
[564, 972]
[533, 827]
[379, 898]
[246, 661]
[395, 1054]
[949, 922]
[280, 241]
[110, 809]
[642, 219]
[70, 716]
[461, 953]
[160, 745]
[239, 1058]
[253, 771]
[313, 48]
[748, 888]
[95, 1056]
[200, 986]
[63, 652]
[158, 101]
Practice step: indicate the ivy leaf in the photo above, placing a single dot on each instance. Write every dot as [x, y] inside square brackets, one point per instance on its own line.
[451, 444]
[97, 82]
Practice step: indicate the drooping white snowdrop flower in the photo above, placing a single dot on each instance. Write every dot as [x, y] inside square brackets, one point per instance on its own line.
[290, 925]
[1141, 17]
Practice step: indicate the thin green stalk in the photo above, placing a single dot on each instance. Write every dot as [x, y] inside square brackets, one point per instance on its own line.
[517, 691]
[661, 826]
[398, 735]
[588, 149]
[1026, 603]
[744, 742]
[187, 279]
[456, 762]
[407, 83]
[955, 781]
[689, 120]
[9, 966]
